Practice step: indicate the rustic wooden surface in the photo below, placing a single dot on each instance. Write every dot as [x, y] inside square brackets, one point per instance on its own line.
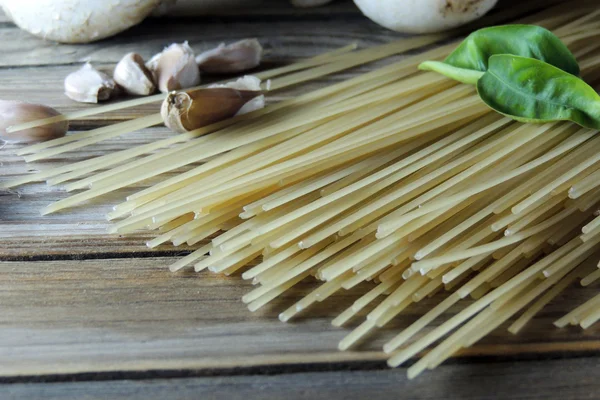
[522, 380]
[88, 315]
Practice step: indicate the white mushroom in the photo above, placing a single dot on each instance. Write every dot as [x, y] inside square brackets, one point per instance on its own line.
[77, 21]
[423, 16]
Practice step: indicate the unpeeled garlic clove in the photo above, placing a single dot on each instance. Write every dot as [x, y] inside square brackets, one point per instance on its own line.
[175, 68]
[88, 85]
[17, 112]
[184, 112]
[236, 57]
[249, 83]
[133, 76]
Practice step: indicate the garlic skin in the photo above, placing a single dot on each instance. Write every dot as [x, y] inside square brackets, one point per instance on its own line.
[175, 68]
[423, 16]
[133, 76]
[235, 57]
[88, 85]
[184, 112]
[17, 112]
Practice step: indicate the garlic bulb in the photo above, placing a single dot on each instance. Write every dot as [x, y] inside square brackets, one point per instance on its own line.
[236, 57]
[133, 76]
[17, 112]
[88, 85]
[423, 16]
[175, 68]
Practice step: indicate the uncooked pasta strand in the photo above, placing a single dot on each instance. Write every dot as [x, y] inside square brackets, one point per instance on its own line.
[536, 307]
[433, 205]
[124, 182]
[528, 294]
[523, 139]
[588, 183]
[574, 171]
[528, 274]
[574, 316]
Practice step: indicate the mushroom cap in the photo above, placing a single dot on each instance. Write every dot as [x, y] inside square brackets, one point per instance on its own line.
[423, 16]
[77, 21]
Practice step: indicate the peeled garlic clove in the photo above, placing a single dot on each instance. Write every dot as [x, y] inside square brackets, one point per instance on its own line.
[88, 85]
[133, 76]
[236, 57]
[175, 68]
[17, 112]
[183, 112]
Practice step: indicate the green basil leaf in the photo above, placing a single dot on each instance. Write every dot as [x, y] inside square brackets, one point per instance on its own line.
[521, 40]
[529, 90]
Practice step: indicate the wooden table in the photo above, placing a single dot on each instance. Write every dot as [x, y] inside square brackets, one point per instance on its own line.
[84, 314]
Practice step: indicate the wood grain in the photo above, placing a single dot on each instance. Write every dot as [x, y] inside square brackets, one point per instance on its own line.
[79, 231]
[283, 40]
[530, 380]
[132, 314]
[258, 8]
[78, 304]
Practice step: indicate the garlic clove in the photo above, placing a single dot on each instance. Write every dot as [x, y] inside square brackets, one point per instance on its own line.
[17, 112]
[247, 82]
[175, 68]
[186, 111]
[236, 57]
[88, 85]
[133, 76]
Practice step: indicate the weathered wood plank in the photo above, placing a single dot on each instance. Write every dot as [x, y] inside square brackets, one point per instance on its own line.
[131, 314]
[283, 40]
[285, 32]
[259, 8]
[63, 317]
[78, 231]
[543, 380]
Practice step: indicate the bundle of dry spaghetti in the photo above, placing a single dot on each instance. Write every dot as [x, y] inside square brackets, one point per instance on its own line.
[398, 177]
